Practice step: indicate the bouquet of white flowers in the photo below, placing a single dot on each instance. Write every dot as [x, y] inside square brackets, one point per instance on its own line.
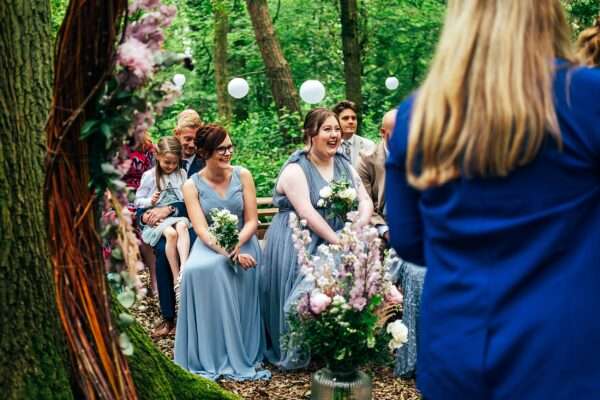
[225, 231]
[224, 228]
[339, 197]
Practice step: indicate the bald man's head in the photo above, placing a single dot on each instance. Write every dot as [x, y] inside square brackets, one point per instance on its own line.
[387, 124]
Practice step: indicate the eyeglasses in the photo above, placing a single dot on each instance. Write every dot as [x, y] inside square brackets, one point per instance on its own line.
[222, 150]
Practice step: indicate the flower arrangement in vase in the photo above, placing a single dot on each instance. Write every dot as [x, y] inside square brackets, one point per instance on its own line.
[342, 317]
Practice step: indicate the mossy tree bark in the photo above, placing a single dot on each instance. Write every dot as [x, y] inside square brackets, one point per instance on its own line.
[157, 377]
[33, 355]
[277, 68]
[33, 361]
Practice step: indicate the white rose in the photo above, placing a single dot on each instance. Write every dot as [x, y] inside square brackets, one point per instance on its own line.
[352, 194]
[349, 194]
[321, 203]
[325, 192]
[399, 332]
[338, 300]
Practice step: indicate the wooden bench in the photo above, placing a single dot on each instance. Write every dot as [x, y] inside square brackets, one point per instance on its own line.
[266, 211]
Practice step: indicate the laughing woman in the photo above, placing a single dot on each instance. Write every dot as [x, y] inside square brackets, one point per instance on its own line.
[219, 332]
[304, 174]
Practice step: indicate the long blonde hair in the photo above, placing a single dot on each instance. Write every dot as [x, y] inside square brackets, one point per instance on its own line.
[487, 101]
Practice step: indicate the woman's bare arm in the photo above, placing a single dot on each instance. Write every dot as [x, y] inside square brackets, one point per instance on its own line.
[293, 184]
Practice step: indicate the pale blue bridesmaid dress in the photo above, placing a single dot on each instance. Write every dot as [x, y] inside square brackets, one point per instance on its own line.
[281, 282]
[219, 332]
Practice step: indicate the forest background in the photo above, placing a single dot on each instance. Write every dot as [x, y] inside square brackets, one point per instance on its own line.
[395, 38]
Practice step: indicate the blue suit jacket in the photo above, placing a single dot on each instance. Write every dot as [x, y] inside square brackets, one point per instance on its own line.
[196, 166]
[512, 292]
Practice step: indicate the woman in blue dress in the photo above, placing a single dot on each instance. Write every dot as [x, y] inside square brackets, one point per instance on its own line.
[297, 189]
[493, 182]
[219, 331]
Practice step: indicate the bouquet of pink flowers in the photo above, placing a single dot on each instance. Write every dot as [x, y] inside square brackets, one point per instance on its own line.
[342, 317]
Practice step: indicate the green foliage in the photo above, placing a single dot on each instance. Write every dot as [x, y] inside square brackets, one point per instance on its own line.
[397, 37]
[582, 13]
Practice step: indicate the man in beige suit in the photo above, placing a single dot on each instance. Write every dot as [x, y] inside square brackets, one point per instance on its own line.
[371, 169]
[352, 144]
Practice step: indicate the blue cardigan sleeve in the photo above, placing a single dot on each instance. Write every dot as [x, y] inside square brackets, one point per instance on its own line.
[180, 211]
[402, 200]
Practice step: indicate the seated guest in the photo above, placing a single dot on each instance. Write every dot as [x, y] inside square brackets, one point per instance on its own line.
[188, 122]
[493, 182]
[142, 159]
[371, 169]
[588, 46]
[352, 144]
[164, 276]
[410, 277]
[219, 327]
[297, 189]
[185, 133]
[161, 186]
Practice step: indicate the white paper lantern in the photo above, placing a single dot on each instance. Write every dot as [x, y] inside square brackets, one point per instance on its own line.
[238, 88]
[179, 80]
[312, 91]
[392, 83]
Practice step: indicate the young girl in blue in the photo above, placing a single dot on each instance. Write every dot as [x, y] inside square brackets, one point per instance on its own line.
[161, 186]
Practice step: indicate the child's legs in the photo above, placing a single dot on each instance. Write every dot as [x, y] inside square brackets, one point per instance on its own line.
[171, 250]
[183, 241]
[150, 261]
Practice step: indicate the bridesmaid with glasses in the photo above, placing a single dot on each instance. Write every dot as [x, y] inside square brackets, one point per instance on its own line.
[219, 331]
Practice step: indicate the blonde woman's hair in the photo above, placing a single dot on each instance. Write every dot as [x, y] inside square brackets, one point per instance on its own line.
[487, 102]
[166, 145]
[187, 119]
[588, 46]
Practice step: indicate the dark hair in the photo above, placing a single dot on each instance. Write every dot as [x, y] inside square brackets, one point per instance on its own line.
[208, 138]
[344, 105]
[313, 121]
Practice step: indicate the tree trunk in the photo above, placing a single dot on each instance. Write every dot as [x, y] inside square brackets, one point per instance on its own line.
[351, 49]
[33, 354]
[277, 68]
[221, 29]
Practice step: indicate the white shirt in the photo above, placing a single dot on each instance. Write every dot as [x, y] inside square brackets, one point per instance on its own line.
[143, 196]
[188, 162]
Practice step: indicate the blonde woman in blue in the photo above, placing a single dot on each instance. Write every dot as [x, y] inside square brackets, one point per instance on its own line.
[493, 183]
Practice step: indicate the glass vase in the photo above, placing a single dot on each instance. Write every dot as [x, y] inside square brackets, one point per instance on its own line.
[340, 385]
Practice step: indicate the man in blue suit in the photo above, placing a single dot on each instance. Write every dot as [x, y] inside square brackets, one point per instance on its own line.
[188, 122]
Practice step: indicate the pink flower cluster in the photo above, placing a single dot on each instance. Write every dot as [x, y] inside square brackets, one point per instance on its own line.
[139, 53]
[345, 276]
